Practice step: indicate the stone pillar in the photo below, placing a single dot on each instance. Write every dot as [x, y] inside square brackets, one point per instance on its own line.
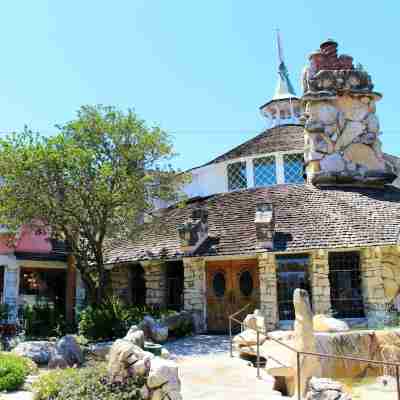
[194, 290]
[268, 290]
[156, 283]
[11, 285]
[70, 292]
[120, 282]
[320, 286]
[372, 284]
[80, 293]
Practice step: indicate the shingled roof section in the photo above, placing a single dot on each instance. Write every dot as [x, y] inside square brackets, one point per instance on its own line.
[279, 138]
[305, 218]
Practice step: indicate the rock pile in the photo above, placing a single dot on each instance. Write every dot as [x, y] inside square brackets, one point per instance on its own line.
[325, 389]
[162, 380]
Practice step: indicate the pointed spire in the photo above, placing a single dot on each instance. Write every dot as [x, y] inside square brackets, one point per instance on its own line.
[284, 88]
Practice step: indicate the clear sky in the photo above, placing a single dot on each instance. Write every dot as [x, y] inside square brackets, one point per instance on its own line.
[200, 69]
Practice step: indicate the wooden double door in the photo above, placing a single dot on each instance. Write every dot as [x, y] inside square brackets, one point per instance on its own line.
[230, 286]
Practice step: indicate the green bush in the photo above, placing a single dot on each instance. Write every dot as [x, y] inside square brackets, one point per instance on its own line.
[43, 320]
[85, 384]
[13, 371]
[113, 318]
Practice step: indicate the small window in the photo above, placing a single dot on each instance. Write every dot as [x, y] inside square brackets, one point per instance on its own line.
[237, 178]
[246, 283]
[293, 166]
[264, 171]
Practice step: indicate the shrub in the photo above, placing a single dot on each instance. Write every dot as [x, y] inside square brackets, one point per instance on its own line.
[13, 371]
[43, 320]
[113, 318]
[85, 384]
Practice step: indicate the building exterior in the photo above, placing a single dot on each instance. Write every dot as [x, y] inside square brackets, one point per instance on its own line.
[36, 269]
[307, 203]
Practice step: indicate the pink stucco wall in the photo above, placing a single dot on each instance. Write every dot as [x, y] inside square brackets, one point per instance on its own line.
[28, 242]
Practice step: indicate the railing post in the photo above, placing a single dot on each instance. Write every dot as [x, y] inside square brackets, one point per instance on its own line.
[398, 382]
[230, 337]
[258, 355]
[298, 377]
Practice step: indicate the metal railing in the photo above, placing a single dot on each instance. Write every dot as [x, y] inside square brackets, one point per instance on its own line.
[300, 354]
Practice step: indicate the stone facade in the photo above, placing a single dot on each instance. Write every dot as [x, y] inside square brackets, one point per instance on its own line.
[341, 127]
[268, 290]
[319, 275]
[194, 292]
[120, 282]
[156, 283]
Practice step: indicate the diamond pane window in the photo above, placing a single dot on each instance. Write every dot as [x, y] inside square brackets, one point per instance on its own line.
[264, 171]
[237, 178]
[293, 166]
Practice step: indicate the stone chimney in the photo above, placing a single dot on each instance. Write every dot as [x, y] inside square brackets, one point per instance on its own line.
[194, 231]
[265, 225]
[341, 134]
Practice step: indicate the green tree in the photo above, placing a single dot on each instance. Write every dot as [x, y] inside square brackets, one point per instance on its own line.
[91, 182]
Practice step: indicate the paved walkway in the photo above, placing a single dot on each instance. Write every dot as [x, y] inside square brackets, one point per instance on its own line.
[209, 373]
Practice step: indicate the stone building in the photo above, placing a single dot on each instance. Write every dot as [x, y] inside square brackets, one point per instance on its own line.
[307, 203]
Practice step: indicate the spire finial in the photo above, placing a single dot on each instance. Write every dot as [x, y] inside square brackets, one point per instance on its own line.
[279, 45]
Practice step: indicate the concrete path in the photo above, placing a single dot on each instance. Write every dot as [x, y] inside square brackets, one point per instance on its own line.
[209, 373]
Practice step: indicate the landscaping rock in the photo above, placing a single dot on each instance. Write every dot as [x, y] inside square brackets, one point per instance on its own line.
[100, 350]
[38, 351]
[325, 389]
[159, 333]
[154, 330]
[177, 321]
[164, 380]
[135, 336]
[165, 354]
[323, 323]
[57, 361]
[254, 321]
[68, 348]
[124, 355]
[248, 338]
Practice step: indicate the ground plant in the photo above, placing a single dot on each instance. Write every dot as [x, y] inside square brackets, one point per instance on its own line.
[85, 384]
[13, 371]
[113, 318]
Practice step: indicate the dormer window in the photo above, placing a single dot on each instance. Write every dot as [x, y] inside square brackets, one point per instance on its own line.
[237, 176]
[293, 168]
[264, 171]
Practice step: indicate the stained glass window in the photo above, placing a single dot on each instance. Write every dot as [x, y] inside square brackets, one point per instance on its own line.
[264, 171]
[237, 178]
[293, 167]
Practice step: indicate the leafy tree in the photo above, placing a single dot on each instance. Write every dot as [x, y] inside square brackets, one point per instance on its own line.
[90, 182]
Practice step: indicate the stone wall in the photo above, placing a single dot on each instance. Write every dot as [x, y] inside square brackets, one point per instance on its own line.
[120, 282]
[268, 290]
[194, 292]
[319, 276]
[156, 283]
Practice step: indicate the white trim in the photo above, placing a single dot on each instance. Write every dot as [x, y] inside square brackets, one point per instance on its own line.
[250, 172]
[280, 171]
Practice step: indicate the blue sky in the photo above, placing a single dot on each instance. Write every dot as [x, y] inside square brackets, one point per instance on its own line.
[200, 69]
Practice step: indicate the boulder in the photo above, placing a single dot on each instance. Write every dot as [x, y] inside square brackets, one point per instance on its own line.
[57, 361]
[175, 321]
[323, 323]
[325, 389]
[135, 336]
[248, 338]
[38, 351]
[254, 321]
[165, 354]
[68, 348]
[124, 355]
[154, 330]
[100, 350]
[164, 380]
[304, 339]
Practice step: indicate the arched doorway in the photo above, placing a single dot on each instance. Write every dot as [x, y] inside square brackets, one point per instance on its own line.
[138, 286]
